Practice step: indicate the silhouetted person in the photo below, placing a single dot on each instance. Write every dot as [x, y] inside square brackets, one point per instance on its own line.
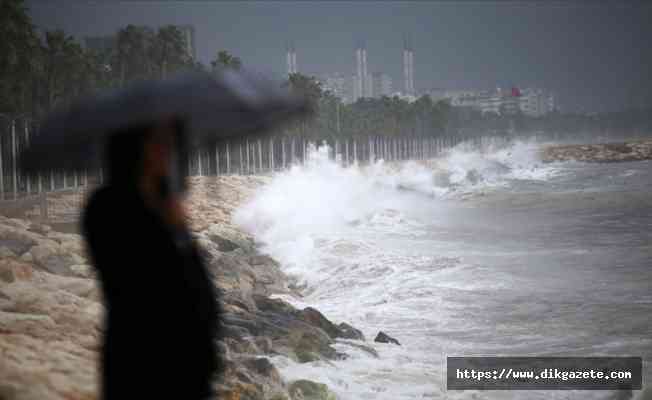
[162, 310]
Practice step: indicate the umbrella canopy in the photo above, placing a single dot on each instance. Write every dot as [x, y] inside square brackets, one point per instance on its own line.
[231, 103]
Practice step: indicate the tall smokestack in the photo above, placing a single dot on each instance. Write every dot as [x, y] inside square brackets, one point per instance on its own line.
[406, 66]
[291, 59]
[364, 78]
[412, 91]
[288, 58]
[294, 61]
[357, 92]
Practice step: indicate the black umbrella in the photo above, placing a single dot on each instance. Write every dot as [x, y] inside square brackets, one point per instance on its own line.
[230, 103]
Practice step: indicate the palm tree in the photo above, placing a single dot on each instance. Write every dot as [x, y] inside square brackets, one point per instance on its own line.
[56, 51]
[134, 55]
[311, 89]
[169, 50]
[18, 50]
[225, 59]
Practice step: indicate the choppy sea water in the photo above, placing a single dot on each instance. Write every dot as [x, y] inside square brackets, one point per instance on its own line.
[480, 252]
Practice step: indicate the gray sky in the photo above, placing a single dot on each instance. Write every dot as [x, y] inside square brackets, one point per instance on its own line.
[595, 55]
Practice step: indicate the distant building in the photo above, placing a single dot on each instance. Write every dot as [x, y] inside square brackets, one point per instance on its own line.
[435, 94]
[381, 84]
[531, 102]
[536, 102]
[462, 98]
[336, 84]
[408, 67]
[362, 81]
[188, 32]
[407, 97]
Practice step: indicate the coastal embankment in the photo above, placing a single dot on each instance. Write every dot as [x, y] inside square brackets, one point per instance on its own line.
[51, 307]
[604, 152]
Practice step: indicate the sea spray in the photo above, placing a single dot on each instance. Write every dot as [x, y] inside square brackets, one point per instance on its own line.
[352, 236]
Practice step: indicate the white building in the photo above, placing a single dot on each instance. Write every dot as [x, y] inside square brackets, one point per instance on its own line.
[188, 32]
[381, 84]
[536, 102]
[408, 68]
[362, 85]
[336, 84]
[464, 98]
[436, 94]
[531, 102]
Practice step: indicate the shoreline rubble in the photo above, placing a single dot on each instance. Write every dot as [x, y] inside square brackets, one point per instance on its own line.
[51, 309]
[637, 150]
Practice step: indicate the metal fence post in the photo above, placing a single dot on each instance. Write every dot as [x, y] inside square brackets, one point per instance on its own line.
[13, 158]
[283, 163]
[241, 164]
[271, 154]
[2, 173]
[199, 166]
[355, 152]
[228, 159]
[292, 151]
[217, 160]
[248, 160]
[260, 156]
[28, 186]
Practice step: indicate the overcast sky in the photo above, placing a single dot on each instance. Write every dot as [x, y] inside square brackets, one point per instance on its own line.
[594, 55]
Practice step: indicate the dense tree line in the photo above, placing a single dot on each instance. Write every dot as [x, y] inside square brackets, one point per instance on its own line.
[40, 70]
[385, 116]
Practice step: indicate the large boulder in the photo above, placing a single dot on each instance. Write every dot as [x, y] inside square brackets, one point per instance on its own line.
[54, 258]
[347, 331]
[304, 389]
[382, 337]
[315, 318]
[12, 270]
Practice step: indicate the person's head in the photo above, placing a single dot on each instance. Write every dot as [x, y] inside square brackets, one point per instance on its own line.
[151, 153]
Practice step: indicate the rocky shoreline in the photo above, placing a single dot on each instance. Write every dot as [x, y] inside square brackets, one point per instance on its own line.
[604, 152]
[51, 309]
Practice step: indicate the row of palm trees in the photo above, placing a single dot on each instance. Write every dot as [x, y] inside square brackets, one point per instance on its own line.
[38, 71]
[367, 117]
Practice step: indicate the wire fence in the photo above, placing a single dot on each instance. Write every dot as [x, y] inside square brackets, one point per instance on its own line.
[240, 157]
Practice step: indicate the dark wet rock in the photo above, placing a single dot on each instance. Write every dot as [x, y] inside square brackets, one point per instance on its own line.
[261, 260]
[367, 349]
[314, 341]
[223, 244]
[242, 345]
[264, 344]
[382, 337]
[232, 331]
[262, 366]
[349, 332]
[315, 318]
[267, 304]
[304, 389]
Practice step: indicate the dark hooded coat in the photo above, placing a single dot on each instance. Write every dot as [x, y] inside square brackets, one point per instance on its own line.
[161, 305]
